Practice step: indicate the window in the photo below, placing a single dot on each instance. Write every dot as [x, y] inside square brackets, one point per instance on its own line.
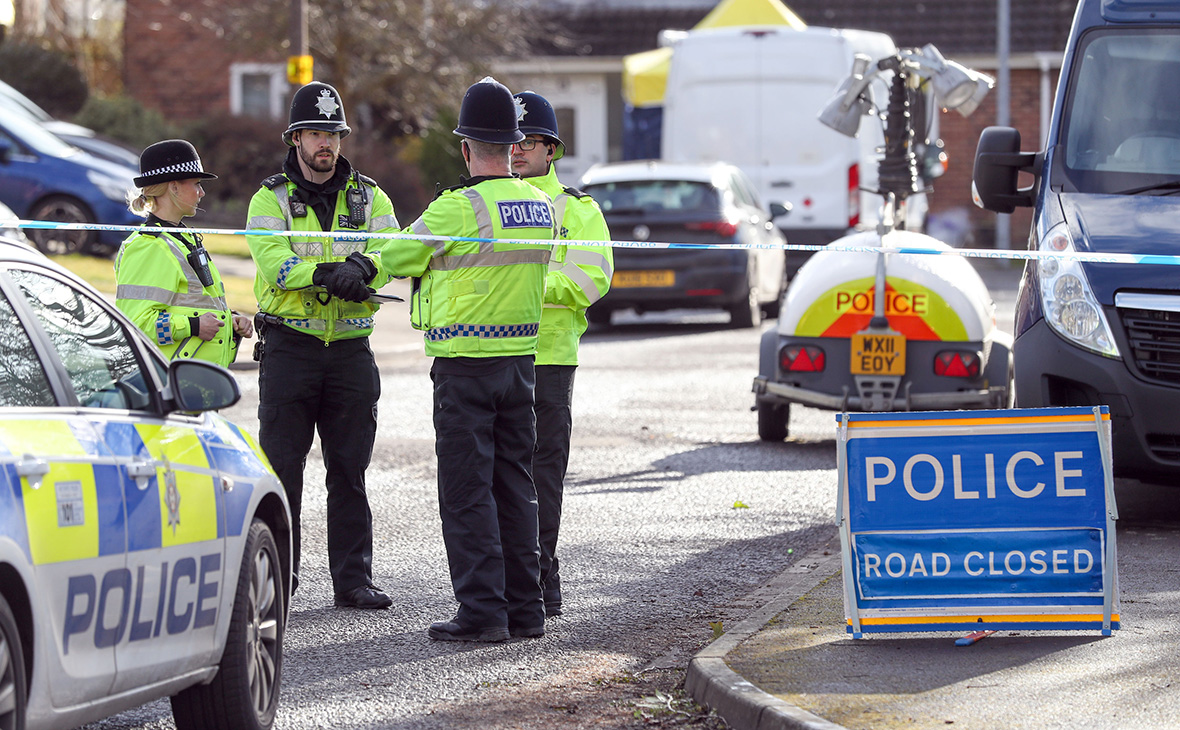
[567, 130]
[22, 378]
[258, 90]
[91, 344]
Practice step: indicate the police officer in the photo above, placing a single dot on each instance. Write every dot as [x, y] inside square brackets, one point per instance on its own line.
[316, 368]
[165, 282]
[578, 277]
[479, 304]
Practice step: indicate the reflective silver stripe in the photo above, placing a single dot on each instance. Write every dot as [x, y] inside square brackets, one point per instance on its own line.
[342, 325]
[496, 258]
[493, 331]
[266, 223]
[560, 214]
[284, 203]
[157, 294]
[199, 301]
[419, 226]
[343, 248]
[383, 221]
[483, 217]
[304, 249]
[579, 277]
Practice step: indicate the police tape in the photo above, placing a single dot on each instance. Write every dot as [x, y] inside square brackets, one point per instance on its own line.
[981, 253]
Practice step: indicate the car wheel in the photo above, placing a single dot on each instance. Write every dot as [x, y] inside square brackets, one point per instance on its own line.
[747, 313]
[773, 420]
[245, 692]
[13, 693]
[63, 209]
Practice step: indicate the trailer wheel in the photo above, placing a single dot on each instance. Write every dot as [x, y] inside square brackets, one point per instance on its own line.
[773, 420]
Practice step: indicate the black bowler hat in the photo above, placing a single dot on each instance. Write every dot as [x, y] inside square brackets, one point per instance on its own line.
[172, 159]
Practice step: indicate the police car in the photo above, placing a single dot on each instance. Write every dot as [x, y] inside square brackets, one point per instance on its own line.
[144, 540]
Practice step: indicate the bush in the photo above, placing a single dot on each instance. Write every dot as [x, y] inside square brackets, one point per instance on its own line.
[125, 119]
[45, 76]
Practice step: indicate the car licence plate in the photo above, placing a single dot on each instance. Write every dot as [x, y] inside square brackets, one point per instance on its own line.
[877, 354]
[643, 278]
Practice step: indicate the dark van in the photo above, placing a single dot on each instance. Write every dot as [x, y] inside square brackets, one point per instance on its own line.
[1108, 181]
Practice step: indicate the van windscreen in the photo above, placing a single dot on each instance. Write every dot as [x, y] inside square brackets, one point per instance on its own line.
[1121, 123]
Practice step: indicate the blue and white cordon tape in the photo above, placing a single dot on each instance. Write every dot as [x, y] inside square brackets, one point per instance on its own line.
[983, 253]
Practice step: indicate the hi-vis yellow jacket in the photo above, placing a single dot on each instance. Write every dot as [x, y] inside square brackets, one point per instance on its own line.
[578, 275]
[159, 291]
[472, 298]
[285, 265]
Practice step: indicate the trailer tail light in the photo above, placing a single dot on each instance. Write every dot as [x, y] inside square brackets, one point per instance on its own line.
[956, 364]
[853, 195]
[726, 229]
[801, 359]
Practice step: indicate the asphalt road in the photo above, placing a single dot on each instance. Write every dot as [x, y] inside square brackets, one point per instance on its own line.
[675, 511]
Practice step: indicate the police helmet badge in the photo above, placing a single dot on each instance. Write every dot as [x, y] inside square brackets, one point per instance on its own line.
[326, 104]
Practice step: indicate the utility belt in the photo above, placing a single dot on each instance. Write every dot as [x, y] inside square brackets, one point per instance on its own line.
[264, 323]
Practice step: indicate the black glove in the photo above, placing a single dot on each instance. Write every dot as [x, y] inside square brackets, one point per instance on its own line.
[322, 272]
[368, 269]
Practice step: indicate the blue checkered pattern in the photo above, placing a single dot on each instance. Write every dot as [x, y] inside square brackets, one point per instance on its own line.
[363, 322]
[481, 330]
[164, 329]
[284, 270]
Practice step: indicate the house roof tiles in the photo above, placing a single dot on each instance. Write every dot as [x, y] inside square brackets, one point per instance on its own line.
[958, 27]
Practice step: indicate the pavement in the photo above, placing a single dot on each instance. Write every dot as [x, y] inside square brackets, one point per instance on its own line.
[792, 665]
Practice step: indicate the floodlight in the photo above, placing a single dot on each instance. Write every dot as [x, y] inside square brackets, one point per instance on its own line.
[956, 86]
[843, 112]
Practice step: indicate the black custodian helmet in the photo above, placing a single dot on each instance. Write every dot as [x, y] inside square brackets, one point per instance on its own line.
[539, 118]
[316, 106]
[489, 114]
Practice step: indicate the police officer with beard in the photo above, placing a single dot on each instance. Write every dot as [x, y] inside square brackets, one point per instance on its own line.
[316, 369]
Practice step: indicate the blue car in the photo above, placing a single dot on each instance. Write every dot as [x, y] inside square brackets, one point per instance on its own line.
[1090, 333]
[43, 178]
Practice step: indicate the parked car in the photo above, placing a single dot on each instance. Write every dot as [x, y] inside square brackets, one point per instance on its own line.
[713, 203]
[145, 546]
[43, 178]
[81, 137]
[1091, 333]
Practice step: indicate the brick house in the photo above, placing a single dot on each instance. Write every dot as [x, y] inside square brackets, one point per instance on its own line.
[580, 70]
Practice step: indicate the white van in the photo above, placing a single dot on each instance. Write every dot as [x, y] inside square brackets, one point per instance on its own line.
[751, 96]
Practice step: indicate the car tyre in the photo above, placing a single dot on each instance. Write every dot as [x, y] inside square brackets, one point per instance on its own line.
[13, 682]
[62, 209]
[747, 313]
[773, 421]
[245, 692]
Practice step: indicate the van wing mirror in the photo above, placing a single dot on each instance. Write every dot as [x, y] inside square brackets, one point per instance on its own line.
[777, 209]
[998, 162]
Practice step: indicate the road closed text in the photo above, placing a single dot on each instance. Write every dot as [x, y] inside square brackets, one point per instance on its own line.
[959, 562]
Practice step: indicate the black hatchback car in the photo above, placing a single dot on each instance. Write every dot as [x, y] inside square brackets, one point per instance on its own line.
[712, 203]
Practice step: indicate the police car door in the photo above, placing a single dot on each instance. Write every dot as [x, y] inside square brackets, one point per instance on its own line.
[157, 608]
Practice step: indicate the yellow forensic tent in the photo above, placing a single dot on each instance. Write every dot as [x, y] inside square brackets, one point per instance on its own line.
[645, 74]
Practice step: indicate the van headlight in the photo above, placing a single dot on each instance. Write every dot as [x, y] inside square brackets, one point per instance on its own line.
[1068, 302]
[111, 187]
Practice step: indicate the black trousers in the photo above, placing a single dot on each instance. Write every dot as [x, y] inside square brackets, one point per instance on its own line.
[484, 434]
[554, 397]
[305, 386]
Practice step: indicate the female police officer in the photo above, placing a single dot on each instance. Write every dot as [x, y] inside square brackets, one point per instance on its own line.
[166, 282]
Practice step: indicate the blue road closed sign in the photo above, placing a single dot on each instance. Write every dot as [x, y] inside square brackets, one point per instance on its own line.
[978, 520]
